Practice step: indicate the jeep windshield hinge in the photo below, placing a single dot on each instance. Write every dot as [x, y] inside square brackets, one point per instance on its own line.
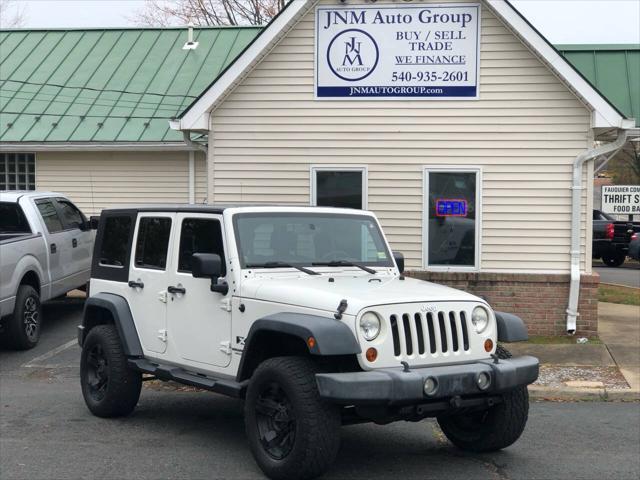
[341, 309]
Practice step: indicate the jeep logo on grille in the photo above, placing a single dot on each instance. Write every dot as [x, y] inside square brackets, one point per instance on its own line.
[428, 308]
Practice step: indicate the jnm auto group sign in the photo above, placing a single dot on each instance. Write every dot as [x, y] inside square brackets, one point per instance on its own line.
[397, 51]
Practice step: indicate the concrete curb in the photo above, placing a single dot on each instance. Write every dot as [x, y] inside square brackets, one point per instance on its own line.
[538, 392]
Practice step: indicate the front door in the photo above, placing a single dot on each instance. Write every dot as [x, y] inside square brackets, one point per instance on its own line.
[78, 242]
[149, 278]
[199, 321]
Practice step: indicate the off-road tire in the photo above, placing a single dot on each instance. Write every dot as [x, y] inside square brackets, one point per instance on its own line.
[316, 424]
[614, 260]
[121, 389]
[24, 325]
[492, 429]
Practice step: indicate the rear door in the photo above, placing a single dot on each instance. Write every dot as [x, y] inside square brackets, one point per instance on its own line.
[55, 238]
[148, 278]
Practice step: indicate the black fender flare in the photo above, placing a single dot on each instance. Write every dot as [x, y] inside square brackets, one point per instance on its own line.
[511, 328]
[332, 337]
[119, 309]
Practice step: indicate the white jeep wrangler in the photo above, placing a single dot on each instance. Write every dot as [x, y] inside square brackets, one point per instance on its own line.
[305, 314]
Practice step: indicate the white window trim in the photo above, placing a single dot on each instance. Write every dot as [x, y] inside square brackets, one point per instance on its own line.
[425, 217]
[339, 168]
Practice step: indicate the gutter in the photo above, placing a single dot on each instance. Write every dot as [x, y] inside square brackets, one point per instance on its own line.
[94, 146]
[576, 189]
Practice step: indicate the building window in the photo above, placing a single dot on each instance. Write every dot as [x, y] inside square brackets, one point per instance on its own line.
[452, 218]
[339, 187]
[17, 171]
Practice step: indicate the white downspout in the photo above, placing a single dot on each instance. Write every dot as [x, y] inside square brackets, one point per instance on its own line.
[192, 177]
[577, 187]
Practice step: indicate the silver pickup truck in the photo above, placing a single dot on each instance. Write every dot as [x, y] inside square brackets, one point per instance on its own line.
[46, 244]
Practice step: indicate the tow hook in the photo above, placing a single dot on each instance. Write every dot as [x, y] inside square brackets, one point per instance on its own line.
[405, 367]
[495, 357]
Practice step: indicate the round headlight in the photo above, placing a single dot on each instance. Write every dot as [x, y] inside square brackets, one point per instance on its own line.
[480, 319]
[370, 326]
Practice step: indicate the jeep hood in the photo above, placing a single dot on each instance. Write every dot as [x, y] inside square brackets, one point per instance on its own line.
[360, 291]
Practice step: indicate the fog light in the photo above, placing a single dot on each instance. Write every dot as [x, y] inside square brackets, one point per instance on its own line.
[430, 386]
[488, 345]
[371, 354]
[483, 380]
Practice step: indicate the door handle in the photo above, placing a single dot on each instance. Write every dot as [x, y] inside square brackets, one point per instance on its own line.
[180, 290]
[74, 242]
[53, 248]
[133, 284]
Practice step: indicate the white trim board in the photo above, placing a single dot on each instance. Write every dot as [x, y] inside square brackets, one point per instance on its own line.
[196, 117]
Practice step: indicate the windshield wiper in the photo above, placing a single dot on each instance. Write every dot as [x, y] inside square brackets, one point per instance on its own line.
[344, 263]
[281, 265]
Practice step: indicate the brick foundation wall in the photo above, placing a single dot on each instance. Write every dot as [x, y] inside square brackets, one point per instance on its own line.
[539, 299]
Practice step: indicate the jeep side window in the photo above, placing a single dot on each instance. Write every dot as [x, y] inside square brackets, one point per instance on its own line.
[153, 242]
[115, 242]
[199, 235]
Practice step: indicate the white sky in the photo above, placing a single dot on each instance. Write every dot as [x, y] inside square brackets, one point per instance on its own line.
[561, 21]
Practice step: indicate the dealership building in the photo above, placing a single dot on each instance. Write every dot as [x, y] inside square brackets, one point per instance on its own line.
[458, 124]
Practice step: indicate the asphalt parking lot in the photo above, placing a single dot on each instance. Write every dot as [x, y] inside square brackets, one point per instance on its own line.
[47, 433]
[627, 274]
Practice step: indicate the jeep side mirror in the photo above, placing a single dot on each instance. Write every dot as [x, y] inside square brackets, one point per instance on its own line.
[94, 220]
[209, 265]
[399, 259]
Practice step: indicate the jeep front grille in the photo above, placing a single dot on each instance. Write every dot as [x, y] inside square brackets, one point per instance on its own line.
[434, 333]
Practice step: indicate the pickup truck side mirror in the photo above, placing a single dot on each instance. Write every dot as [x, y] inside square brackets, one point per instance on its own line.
[209, 265]
[399, 259]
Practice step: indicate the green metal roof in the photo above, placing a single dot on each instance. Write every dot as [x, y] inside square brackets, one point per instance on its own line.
[106, 85]
[613, 69]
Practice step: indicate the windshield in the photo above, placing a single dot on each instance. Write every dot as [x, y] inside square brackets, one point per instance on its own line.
[309, 239]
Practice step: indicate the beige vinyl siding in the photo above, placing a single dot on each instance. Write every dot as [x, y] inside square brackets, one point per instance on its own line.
[523, 133]
[97, 180]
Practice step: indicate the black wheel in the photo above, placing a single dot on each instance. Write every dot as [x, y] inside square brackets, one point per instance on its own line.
[614, 260]
[23, 327]
[292, 433]
[109, 387]
[492, 429]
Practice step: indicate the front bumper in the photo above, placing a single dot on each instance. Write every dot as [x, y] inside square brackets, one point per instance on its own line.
[394, 386]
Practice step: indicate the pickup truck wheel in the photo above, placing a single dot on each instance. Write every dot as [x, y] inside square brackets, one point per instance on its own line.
[109, 387]
[614, 260]
[23, 328]
[292, 433]
[492, 429]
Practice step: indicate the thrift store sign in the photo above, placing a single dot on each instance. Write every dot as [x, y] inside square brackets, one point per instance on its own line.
[621, 199]
[397, 51]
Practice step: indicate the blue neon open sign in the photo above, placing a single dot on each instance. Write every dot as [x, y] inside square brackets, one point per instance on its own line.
[451, 207]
